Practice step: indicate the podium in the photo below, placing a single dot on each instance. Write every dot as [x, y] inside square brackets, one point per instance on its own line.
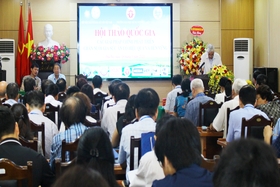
[204, 78]
[3, 75]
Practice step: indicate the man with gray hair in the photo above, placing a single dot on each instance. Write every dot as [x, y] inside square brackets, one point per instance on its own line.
[209, 59]
[220, 121]
[192, 108]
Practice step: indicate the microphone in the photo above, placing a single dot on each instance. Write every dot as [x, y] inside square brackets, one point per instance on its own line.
[201, 65]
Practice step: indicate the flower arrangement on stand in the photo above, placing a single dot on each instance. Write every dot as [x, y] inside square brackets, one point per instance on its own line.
[215, 75]
[190, 55]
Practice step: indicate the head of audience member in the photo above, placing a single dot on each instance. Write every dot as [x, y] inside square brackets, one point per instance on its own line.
[197, 86]
[121, 91]
[261, 79]
[178, 136]
[210, 50]
[71, 90]
[81, 82]
[95, 150]
[73, 111]
[61, 83]
[21, 117]
[112, 85]
[52, 90]
[45, 84]
[9, 127]
[176, 80]
[97, 81]
[247, 95]
[35, 100]
[186, 87]
[29, 84]
[80, 176]
[237, 85]
[146, 103]
[34, 70]
[264, 95]
[88, 90]
[255, 75]
[129, 113]
[225, 86]
[84, 98]
[56, 69]
[247, 163]
[3, 86]
[12, 91]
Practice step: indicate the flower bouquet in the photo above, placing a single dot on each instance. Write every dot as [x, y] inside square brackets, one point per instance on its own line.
[215, 75]
[190, 55]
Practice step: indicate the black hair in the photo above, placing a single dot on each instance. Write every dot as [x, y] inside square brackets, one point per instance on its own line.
[34, 65]
[146, 102]
[52, 90]
[57, 64]
[95, 150]
[129, 113]
[45, 84]
[261, 79]
[264, 92]
[29, 84]
[73, 110]
[162, 121]
[35, 99]
[112, 85]
[226, 83]
[121, 91]
[97, 81]
[178, 140]
[177, 79]
[186, 87]
[247, 95]
[256, 73]
[71, 90]
[247, 163]
[12, 90]
[88, 90]
[81, 82]
[61, 83]
[7, 121]
[80, 176]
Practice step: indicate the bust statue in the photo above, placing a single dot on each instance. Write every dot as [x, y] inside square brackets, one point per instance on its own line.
[48, 42]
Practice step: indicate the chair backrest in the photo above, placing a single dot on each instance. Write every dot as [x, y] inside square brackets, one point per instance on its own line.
[209, 94]
[208, 112]
[60, 167]
[79, 76]
[92, 124]
[98, 98]
[32, 144]
[254, 127]
[134, 143]
[61, 96]
[71, 148]
[36, 128]
[10, 171]
[228, 113]
[208, 164]
[52, 112]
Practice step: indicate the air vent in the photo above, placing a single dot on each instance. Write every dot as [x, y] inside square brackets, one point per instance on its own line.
[6, 46]
[241, 46]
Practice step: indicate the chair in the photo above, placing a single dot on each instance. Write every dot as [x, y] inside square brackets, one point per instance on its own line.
[208, 112]
[228, 113]
[98, 98]
[134, 143]
[254, 127]
[32, 144]
[36, 128]
[79, 76]
[208, 164]
[209, 94]
[92, 124]
[10, 171]
[61, 96]
[60, 167]
[52, 113]
[71, 148]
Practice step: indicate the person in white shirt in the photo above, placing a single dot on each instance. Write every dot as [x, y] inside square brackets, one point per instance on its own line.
[52, 95]
[56, 73]
[220, 121]
[171, 96]
[97, 85]
[109, 120]
[209, 59]
[12, 94]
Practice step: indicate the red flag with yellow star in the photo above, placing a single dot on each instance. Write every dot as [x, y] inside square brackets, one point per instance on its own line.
[20, 50]
[29, 42]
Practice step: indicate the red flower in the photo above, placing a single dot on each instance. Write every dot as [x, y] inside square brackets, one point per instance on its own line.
[41, 48]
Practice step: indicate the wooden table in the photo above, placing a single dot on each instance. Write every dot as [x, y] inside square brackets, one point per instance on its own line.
[208, 139]
[119, 172]
[222, 142]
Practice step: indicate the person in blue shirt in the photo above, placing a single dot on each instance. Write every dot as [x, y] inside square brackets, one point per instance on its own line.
[182, 100]
[178, 150]
[56, 73]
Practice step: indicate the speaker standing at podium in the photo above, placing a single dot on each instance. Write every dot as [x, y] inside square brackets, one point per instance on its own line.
[209, 59]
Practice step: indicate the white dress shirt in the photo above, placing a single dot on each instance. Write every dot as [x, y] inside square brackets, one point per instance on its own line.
[50, 99]
[220, 97]
[171, 97]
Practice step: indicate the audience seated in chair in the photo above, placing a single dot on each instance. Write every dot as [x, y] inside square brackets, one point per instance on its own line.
[254, 164]
[109, 120]
[220, 121]
[146, 104]
[34, 75]
[81, 82]
[61, 83]
[171, 96]
[45, 84]
[225, 89]
[11, 149]
[71, 90]
[95, 151]
[110, 101]
[36, 107]
[247, 99]
[12, 94]
[88, 90]
[97, 85]
[77, 77]
[192, 108]
[52, 95]
[56, 73]
[180, 163]
[183, 98]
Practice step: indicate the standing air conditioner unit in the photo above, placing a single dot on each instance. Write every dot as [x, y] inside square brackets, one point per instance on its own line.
[7, 52]
[243, 58]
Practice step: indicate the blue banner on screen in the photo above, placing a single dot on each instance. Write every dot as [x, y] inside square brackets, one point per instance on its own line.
[127, 41]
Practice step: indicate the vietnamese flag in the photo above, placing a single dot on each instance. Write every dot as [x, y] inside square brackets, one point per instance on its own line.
[20, 61]
[29, 43]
